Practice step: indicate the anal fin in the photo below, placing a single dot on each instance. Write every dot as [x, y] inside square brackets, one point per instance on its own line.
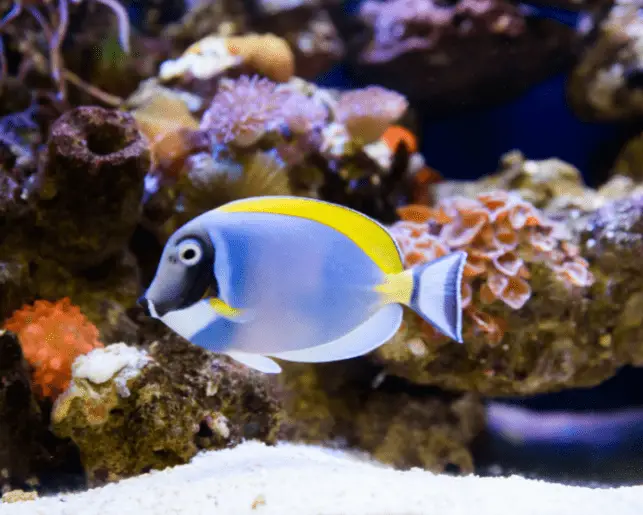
[255, 361]
[378, 329]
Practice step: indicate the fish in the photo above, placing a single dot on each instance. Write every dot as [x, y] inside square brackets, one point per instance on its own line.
[296, 279]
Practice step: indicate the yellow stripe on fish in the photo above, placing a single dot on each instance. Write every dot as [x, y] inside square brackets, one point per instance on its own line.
[373, 239]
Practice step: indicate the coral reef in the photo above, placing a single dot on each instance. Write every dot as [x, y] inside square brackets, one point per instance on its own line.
[607, 83]
[350, 404]
[552, 185]
[453, 55]
[258, 137]
[53, 226]
[502, 235]
[215, 107]
[52, 335]
[561, 337]
[174, 397]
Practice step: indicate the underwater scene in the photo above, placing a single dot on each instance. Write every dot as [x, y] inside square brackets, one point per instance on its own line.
[321, 257]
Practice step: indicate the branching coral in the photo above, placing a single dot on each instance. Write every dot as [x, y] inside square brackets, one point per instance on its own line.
[55, 36]
[52, 335]
[502, 235]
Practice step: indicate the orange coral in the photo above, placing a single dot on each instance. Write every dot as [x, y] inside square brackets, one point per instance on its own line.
[167, 123]
[501, 234]
[270, 55]
[397, 134]
[52, 335]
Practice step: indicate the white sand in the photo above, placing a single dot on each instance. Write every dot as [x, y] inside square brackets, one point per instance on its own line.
[301, 480]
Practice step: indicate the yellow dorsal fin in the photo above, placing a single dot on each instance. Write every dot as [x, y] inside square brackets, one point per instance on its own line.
[370, 236]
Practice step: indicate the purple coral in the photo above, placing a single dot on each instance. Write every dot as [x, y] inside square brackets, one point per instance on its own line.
[244, 110]
[303, 114]
[366, 113]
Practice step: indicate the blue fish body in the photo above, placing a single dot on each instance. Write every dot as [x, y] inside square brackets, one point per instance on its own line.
[309, 281]
[295, 279]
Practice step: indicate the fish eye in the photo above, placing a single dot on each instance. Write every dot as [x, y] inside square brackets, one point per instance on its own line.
[190, 252]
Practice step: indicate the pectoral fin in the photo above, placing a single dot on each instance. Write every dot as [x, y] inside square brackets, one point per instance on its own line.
[233, 314]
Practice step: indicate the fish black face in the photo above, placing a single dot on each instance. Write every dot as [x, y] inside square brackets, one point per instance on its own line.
[184, 276]
[198, 259]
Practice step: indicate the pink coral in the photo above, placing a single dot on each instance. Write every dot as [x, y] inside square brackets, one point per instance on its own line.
[502, 234]
[244, 110]
[368, 112]
[303, 113]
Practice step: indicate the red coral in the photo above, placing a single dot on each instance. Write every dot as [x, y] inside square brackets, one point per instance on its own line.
[52, 335]
[501, 234]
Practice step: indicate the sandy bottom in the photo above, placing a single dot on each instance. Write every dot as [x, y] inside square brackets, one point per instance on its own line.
[300, 480]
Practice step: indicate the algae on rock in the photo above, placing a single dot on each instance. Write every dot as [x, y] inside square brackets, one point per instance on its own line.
[351, 404]
[130, 410]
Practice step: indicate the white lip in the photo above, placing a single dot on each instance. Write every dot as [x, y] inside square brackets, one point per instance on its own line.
[189, 321]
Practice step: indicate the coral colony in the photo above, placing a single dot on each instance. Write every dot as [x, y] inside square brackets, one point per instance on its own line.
[111, 137]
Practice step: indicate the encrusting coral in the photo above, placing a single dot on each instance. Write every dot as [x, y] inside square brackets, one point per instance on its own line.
[270, 55]
[501, 234]
[52, 336]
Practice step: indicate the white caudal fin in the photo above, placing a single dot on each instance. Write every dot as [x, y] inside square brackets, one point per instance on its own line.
[256, 361]
[378, 329]
[436, 293]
